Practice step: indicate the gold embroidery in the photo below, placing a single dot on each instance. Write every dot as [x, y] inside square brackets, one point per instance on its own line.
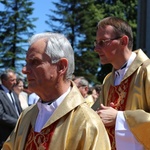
[118, 95]
[40, 140]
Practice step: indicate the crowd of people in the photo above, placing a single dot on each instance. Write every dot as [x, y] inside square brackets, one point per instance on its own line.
[89, 93]
[70, 114]
[14, 98]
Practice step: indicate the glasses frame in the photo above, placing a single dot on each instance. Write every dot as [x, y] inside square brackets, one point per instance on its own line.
[101, 43]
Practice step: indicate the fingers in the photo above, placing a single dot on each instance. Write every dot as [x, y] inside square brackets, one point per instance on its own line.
[112, 104]
[103, 107]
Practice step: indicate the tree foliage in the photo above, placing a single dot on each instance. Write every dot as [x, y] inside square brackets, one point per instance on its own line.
[15, 27]
[78, 20]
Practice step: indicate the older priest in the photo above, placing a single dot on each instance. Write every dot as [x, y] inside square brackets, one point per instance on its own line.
[61, 120]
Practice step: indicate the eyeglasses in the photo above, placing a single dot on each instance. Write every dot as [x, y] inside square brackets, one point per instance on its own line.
[102, 43]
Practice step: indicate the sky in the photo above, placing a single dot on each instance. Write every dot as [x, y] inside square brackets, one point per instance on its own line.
[41, 8]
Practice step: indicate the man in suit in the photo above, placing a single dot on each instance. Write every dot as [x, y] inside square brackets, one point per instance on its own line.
[10, 108]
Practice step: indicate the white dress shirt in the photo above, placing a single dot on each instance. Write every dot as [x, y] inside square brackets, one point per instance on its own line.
[7, 92]
[46, 111]
[125, 140]
[119, 74]
[10, 98]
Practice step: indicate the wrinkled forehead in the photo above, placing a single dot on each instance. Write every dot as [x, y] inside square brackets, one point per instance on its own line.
[38, 48]
[38, 45]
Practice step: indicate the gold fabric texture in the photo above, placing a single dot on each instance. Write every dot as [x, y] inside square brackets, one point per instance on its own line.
[78, 127]
[138, 96]
[89, 100]
[139, 123]
[138, 93]
[118, 95]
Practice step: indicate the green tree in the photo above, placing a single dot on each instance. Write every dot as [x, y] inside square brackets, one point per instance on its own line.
[125, 9]
[15, 27]
[78, 20]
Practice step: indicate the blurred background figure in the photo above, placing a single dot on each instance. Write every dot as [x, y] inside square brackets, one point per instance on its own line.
[10, 107]
[23, 96]
[32, 99]
[96, 91]
[83, 86]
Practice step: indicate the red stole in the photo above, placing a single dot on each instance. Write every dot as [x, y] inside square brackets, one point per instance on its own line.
[118, 95]
[40, 140]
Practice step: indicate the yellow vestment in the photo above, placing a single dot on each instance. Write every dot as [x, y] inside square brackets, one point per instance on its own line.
[89, 100]
[78, 127]
[139, 124]
[138, 93]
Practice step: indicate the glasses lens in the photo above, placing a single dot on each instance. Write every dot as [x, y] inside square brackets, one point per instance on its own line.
[100, 43]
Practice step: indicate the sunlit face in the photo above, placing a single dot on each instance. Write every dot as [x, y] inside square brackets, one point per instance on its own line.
[95, 94]
[19, 87]
[82, 88]
[108, 45]
[11, 81]
[41, 74]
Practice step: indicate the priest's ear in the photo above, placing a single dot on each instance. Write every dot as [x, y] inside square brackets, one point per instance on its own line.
[124, 40]
[62, 66]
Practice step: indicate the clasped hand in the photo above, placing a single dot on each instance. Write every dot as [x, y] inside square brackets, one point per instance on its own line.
[107, 114]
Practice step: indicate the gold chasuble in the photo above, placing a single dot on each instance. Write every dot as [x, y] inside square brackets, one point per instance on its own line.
[118, 95]
[72, 126]
[132, 94]
[139, 124]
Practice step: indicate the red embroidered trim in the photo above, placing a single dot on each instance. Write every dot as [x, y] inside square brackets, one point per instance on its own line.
[40, 140]
[118, 95]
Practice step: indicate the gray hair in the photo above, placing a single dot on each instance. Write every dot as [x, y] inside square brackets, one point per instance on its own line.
[82, 81]
[57, 47]
[5, 74]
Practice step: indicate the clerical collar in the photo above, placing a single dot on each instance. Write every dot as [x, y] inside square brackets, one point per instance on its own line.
[124, 66]
[58, 100]
[121, 72]
[47, 103]
[128, 63]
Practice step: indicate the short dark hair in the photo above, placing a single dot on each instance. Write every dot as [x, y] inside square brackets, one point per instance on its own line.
[120, 26]
[4, 75]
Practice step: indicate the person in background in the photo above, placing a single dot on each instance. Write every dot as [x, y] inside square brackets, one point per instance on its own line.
[60, 120]
[83, 86]
[10, 107]
[32, 98]
[126, 87]
[23, 96]
[96, 89]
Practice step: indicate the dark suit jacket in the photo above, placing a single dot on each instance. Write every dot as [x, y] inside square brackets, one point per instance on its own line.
[8, 115]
